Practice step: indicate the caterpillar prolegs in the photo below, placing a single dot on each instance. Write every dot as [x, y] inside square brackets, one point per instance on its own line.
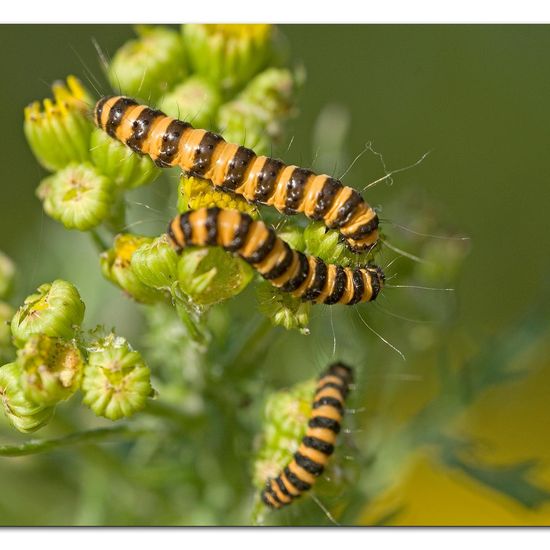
[259, 179]
[317, 445]
[305, 277]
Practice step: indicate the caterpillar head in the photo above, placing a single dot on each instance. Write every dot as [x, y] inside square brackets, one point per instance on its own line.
[340, 369]
[377, 279]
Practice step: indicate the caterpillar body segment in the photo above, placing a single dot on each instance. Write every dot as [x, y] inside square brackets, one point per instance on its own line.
[317, 445]
[259, 179]
[305, 277]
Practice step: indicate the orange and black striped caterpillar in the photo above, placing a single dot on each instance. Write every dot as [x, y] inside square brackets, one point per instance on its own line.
[305, 277]
[318, 443]
[259, 179]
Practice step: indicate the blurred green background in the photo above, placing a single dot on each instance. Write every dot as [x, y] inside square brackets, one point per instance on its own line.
[477, 98]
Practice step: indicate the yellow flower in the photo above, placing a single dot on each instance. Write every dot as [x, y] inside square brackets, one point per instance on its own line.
[194, 193]
[58, 131]
[228, 55]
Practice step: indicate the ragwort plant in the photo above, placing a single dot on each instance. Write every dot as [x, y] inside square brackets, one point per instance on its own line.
[200, 419]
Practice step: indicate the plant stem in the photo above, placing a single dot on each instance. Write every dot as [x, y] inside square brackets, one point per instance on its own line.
[193, 324]
[100, 244]
[35, 446]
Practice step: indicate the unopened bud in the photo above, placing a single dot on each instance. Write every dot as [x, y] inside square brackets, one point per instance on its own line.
[58, 132]
[78, 196]
[56, 309]
[150, 65]
[24, 415]
[282, 309]
[51, 369]
[116, 381]
[116, 266]
[120, 164]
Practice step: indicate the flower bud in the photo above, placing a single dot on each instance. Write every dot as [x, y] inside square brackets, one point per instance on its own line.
[120, 164]
[285, 422]
[293, 235]
[274, 90]
[228, 55]
[195, 193]
[7, 275]
[60, 133]
[116, 380]
[56, 309]
[256, 117]
[210, 275]
[248, 124]
[155, 264]
[329, 246]
[51, 369]
[150, 65]
[282, 309]
[24, 415]
[78, 196]
[195, 101]
[116, 267]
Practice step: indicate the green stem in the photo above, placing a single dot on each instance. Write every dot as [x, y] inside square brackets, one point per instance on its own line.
[116, 222]
[196, 329]
[100, 244]
[35, 446]
[170, 412]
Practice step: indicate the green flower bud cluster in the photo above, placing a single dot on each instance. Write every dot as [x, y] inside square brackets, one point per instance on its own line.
[327, 244]
[116, 266]
[150, 65]
[256, 116]
[229, 54]
[91, 169]
[195, 100]
[220, 77]
[282, 309]
[54, 361]
[150, 271]
[48, 366]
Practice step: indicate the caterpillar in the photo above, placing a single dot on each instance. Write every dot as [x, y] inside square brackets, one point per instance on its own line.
[317, 445]
[234, 168]
[305, 277]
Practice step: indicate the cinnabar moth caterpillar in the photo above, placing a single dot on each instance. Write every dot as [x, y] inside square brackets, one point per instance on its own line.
[305, 277]
[318, 443]
[259, 179]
